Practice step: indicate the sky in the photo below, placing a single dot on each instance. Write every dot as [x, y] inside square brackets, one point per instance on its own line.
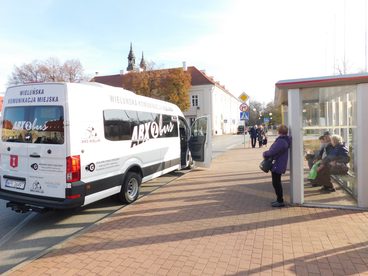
[246, 45]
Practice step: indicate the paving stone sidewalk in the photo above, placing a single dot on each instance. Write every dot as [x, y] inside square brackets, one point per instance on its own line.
[215, 221]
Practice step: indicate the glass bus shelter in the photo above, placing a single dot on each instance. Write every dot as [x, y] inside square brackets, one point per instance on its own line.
[311, 107]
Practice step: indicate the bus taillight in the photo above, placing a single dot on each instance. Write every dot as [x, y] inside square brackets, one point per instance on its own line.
[73, 172]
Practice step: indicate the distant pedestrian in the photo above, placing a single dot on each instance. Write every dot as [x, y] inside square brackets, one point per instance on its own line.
[253, 135]
[279, 153]
[260, 135]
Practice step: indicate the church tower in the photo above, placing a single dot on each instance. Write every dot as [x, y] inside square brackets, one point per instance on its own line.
[143, 64]
[131, 59]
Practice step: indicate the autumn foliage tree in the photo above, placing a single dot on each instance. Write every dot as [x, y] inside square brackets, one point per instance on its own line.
[146, 83]
[175, 88]
[170, 85]
[50, 70]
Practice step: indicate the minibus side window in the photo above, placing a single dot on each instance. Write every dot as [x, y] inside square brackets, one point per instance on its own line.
[118, 124]
[167, 120]
[145, 117]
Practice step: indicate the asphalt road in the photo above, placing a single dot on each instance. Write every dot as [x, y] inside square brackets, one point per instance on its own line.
[26, 236]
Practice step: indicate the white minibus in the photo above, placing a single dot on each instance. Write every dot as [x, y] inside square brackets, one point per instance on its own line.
[65, 145]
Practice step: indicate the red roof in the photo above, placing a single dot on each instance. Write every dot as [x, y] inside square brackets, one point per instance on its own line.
[113, 80]
[282, 87]
[323, 81]
[198, 78]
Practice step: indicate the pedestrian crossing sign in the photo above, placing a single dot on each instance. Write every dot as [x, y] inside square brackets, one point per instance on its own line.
[244, 116]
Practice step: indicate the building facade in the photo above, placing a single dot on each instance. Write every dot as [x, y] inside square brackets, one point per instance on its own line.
[208, 97]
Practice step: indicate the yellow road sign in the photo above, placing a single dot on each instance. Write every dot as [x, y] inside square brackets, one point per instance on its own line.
[243, 97]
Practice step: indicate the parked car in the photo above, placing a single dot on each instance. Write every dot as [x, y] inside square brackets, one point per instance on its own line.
[242, 130]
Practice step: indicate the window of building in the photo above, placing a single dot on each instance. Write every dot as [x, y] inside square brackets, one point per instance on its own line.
[194, 100]
[191, 120]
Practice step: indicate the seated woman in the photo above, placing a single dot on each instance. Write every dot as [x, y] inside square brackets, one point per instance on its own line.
[338, 155]
[325, 149]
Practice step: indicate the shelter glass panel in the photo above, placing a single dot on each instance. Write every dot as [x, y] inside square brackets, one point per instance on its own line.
[329, 110]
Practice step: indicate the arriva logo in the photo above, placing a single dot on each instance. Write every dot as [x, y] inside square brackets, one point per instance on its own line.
[151, 130]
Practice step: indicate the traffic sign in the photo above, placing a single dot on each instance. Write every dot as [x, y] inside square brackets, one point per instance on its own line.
[243, 97]
[243, 107]
[244, 116]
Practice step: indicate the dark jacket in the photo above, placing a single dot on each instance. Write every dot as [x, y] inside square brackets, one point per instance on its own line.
[280, 153]
[338, 153]
[260, 134]
[253, 132]
[328, 148]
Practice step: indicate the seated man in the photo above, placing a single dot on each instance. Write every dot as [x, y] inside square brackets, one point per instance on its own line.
[339, 154]
[313, 156]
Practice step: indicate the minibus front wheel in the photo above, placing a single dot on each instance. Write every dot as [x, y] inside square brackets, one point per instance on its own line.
[130, 188]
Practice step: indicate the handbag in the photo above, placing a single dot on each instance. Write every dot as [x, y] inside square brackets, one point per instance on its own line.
[339, 168]
[266, 164]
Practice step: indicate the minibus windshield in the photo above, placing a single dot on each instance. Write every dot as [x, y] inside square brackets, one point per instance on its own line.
[33, 124]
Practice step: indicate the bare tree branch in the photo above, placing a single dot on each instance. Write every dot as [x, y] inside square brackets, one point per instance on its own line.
[49, 70]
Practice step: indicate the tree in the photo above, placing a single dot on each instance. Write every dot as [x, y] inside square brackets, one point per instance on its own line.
[170, 85]
[49, 70]
[146, 83]
[274, 112]
[175, 87]
[254, 111]
[258, 111]
[72, 71]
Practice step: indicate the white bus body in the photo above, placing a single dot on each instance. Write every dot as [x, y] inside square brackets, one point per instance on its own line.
[65, 145]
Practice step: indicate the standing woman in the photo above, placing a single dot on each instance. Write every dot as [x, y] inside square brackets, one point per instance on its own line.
[279, 153]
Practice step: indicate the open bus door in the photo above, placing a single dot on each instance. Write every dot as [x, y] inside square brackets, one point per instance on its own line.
[200, 142]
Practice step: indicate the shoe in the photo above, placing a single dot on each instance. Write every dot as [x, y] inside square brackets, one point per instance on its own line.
[325, 189]
[273, 202]
[278, 204]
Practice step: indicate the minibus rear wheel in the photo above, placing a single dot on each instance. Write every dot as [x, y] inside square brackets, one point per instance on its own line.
[130, 188]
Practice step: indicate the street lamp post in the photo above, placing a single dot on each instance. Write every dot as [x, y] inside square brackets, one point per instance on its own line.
[254, 116]
[270, 116]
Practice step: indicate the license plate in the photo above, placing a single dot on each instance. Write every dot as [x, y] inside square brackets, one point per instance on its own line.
[16, 184]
